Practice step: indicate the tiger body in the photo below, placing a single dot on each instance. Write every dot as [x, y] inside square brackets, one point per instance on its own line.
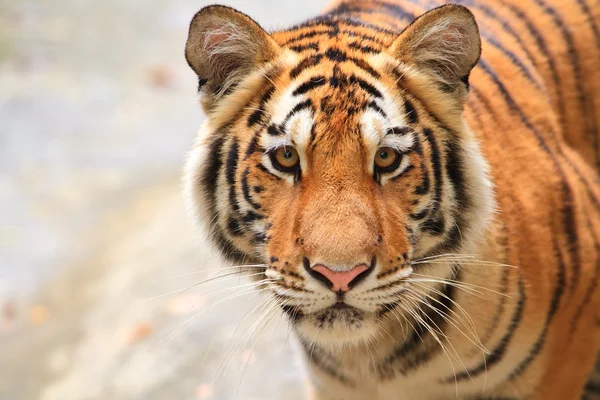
[498, 159]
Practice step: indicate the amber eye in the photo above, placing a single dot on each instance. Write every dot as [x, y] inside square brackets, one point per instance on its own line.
[387, 159]
[285, 159]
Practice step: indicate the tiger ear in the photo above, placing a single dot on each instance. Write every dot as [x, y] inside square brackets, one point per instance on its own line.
[223, 47]
[443, 42]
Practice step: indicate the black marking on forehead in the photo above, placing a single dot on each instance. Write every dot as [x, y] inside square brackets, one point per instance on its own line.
[338, 79]
[399, 131]
[306, 104]
[375, 107]
[311, 84]
[275, 130]
[362, 64]
[363, 36]
[336, 55]
[411, 112]
[305, 64]
[366, 86]
[304, 47]
[305, 35]
[363, 48]
[257, 115]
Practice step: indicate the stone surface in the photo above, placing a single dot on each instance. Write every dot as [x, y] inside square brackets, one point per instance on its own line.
[99, 265]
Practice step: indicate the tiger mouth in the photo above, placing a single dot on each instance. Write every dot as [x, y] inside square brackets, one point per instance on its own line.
[341, 306]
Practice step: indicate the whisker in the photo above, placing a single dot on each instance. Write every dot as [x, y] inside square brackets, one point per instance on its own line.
[234, 267]
[448, 318]
[466, 263]
[181, 291]
[447, 255]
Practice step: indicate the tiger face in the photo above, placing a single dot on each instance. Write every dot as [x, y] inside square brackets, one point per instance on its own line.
[339, 171]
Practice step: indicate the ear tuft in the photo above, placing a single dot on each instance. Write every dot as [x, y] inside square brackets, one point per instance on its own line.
[443, 42]
[223, 47]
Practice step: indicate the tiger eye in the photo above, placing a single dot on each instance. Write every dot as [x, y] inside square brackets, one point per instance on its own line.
[287, 157]
[386, 157]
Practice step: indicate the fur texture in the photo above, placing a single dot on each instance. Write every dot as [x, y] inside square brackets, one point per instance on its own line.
[483, 241]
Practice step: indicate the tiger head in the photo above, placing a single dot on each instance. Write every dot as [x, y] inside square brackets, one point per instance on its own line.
[337, 169]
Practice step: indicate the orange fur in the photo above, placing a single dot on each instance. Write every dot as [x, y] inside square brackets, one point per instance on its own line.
[531, 111]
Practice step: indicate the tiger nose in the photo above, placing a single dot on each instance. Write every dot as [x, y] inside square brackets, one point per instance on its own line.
[338, 281]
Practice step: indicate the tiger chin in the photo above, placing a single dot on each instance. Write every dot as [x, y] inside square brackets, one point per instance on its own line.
[400, 178]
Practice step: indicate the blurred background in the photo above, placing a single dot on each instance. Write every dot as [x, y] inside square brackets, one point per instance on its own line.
[97, 111]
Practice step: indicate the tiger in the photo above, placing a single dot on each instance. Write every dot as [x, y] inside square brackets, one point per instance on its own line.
[416, 186]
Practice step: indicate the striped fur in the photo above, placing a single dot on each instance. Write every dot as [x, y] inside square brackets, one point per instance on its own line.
[500, 156]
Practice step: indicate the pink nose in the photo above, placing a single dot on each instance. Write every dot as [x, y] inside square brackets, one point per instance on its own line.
[340, 280]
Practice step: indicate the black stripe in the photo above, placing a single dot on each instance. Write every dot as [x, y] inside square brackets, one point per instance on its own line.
[325, 362]
[336, 55]
[489, 109]
[514, 59]
[308, 62]
[231, 169]
[275, 130]
[420, 215]
[266, 170]
[591, 21]
[399, 131]
[366, 86]
[435, 224]
[575, 62]
[539, 343]
[362, 64]
[246, 190]
[423, 188]
[209, 180]
[307, 46]
[384, 8]
[594, 282]
[593, 387]
[492, 40]
[233, 226]
[455, 173]
[411, 112]
[364, 48]
[417, 148]
[374, 106]
[306, 36]
[497, 354]
[410, 350]
[258, 114]
[253, 145]
[306, 104]
[569, 221]
[311, 84]
[364, 36]
[250, 217]
[228, 250]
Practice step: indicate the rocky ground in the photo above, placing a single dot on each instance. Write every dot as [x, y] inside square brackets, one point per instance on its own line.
[97, 110]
